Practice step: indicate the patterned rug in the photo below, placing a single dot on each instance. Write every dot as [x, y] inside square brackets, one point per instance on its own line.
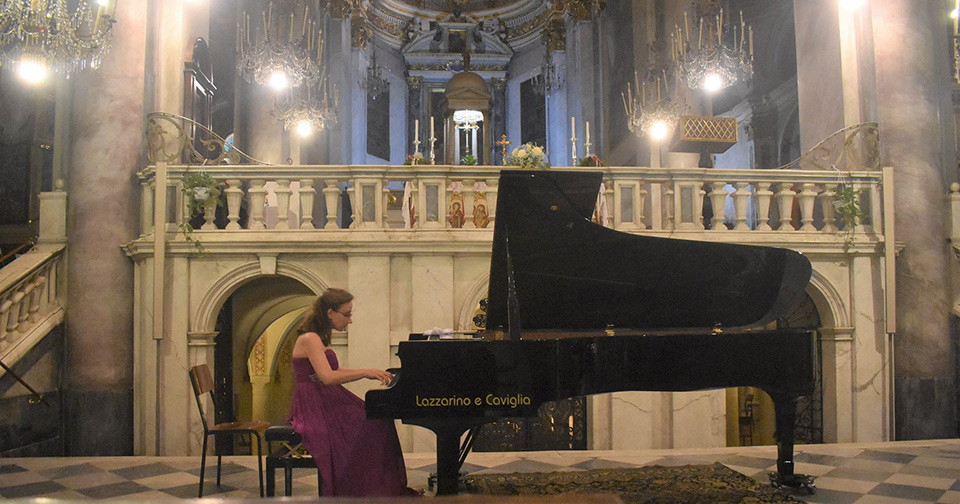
[691, 484]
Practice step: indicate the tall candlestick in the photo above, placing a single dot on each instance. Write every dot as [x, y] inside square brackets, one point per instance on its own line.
[573, 140]
[587, 144]
[433, 139]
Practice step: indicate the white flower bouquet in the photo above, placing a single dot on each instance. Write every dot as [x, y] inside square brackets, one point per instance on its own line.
[529, 156]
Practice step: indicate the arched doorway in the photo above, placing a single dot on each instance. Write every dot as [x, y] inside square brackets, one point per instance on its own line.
[756, 422]
[251, 324]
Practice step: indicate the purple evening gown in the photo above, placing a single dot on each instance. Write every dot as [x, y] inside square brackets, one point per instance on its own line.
[355, 456]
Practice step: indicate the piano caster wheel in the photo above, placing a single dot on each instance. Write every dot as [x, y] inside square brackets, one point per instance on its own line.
[432, 480]
[798, 483]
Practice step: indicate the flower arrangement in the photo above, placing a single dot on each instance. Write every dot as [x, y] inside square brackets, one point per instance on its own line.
[591, 161]
[201, 191]
[469, 159]
[529, 156]
[415, 159]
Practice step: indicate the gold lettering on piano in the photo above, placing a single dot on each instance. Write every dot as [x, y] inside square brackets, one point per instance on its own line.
[433, 402]
[511, 401]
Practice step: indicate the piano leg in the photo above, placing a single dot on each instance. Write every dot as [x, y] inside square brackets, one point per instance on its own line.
[448, 456]
[786, 413]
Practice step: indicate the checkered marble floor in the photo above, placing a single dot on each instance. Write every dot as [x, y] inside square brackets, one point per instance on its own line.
[908, 472]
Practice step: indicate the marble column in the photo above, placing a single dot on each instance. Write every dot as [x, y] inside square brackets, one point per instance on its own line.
[102, 215]
[498, 117]
[907, 37]
[414, 108]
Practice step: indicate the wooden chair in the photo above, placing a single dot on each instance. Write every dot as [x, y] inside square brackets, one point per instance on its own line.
[202, 381]
[746, 422]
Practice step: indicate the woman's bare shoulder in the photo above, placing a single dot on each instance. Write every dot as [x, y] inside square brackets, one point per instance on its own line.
[306, 343]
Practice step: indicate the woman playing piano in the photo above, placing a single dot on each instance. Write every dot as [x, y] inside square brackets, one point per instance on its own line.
[355, 456]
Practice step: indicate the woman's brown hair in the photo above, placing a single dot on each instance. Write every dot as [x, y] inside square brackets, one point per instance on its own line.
[316, 320]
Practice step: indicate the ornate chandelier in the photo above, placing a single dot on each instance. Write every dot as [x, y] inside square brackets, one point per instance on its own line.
[656, 118]
[550, 78]
[705, 59]
[38, 36]
[372, 80]
[306, 109]
[279, 51]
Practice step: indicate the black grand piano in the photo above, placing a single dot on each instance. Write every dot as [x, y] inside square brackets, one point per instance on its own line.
[575, 309]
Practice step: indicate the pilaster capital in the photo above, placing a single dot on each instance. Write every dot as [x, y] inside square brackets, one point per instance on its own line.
[201, 338]
[414, 82]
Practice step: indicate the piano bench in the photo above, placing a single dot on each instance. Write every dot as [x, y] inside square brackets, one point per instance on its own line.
[289, 454]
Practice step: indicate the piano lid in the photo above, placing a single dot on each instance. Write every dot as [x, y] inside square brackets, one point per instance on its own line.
[571, 273]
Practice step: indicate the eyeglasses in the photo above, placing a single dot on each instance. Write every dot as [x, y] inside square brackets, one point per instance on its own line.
[345, 315]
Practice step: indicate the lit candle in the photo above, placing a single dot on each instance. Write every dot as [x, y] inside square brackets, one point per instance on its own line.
[751, 41]
[720, 27]
[588, 133]
[700, 36]
[303, 28]
[416, 130]
[686, 26]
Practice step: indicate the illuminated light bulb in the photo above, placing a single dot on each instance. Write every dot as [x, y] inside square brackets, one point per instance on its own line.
[103, 3]
[954, 13]
[32, 70]
[712, 83]
[278, 80]
[851, 4]
[304, 128]
[659, 130]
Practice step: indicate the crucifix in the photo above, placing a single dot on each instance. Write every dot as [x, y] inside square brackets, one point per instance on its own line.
[503, 142]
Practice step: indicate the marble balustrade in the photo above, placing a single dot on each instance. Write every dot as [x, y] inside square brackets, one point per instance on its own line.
[28, 294]
[635, 199]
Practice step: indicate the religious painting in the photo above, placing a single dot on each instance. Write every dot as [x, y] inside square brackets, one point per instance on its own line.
[481, 217]
[456, 217]
[456, 41]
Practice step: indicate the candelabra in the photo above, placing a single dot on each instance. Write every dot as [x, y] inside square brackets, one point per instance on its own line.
[707, 61]
[372, 80]
[306, 109]
[272, 52]
[656, 118]
[43, 35]
[550, 79]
